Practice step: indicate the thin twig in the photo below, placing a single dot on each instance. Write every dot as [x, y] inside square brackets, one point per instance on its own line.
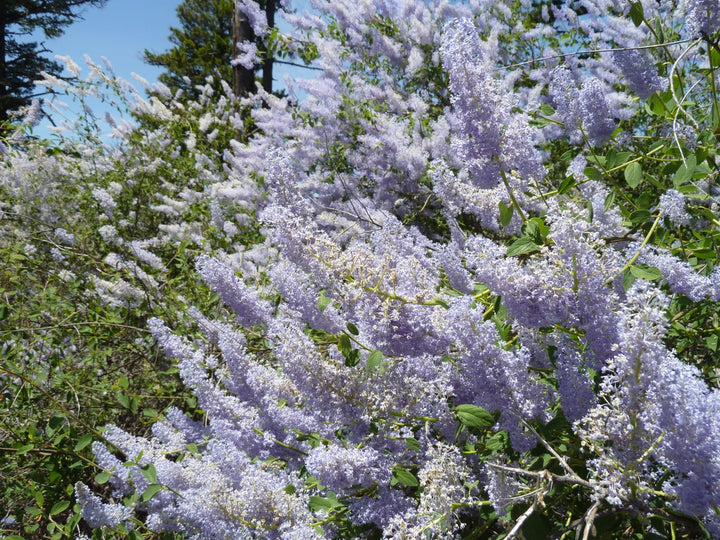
[595, 51]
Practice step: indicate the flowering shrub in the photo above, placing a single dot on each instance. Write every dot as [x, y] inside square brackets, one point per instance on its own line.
[470, 279]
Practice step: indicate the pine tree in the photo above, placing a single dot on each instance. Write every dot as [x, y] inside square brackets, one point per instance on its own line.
[204, 45]
[21, 60]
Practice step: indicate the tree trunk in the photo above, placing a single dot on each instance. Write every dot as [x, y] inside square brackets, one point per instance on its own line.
[243, 78]
[267, 74]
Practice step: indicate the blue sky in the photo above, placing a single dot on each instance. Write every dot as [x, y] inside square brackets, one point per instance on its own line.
[120, 32]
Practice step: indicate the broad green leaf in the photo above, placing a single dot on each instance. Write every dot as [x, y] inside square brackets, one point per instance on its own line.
[609, 200]
[639, 216]
[56, 421]
[323, 301]
[628, 278]
[83, 442]
[413, 444]
[353, 329]
[59, 507]
[633, 174]
[506, 213]
[24, 449]
[566, 184]
[498, 442]
[546, 109]
[344, 343]
[103, 477]
[649, 273]
[374, 359]
[150, 492]
[637, 13]
[123, 399]
[473, 416]
[521, 246]
[685, 171]
[149, 472]
[616, 159]
[404, 477]
[592, 173]
[328, 502]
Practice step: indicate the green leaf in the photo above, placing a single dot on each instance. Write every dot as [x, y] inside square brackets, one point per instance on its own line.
[59, 507]
[609, 200]
[83, 442]
[404, 477]
[56, 421]
[498, 442]
[546, 109]
[4, 310]
[616, 159]
[103, 477]
[323, 301]
[413, 444]
[150, 492]
[685, 171]
[633, 174]
[327, 503]
[352, 357]
[344, 343]
[627, 279]
[637, 13]
[149, 472]
[33, 511]
[592, 173]
[521, 246]
[122, 398]
[374, 359]
[473, 416]
[649, 273]
[506, 213]
[711, 342]
[23, 449]
[566, 184]
[353, 329]
[639, 216]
